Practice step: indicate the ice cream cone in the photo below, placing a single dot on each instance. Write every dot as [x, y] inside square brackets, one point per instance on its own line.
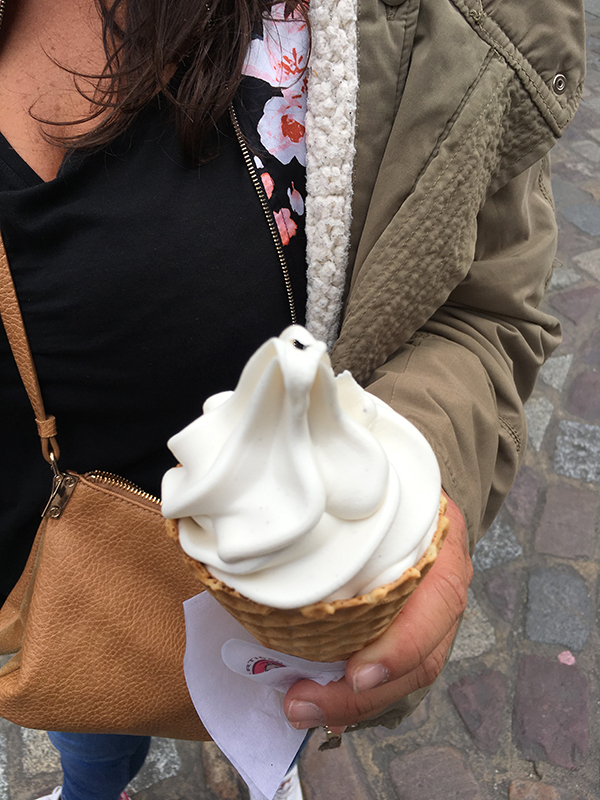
[323, 631]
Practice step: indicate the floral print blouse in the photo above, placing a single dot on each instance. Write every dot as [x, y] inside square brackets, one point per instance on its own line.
[271, 108]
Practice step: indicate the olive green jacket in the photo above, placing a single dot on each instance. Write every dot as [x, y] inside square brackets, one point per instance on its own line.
[430, 253]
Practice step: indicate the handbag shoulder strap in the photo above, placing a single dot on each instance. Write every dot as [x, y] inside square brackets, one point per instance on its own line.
[10, 312]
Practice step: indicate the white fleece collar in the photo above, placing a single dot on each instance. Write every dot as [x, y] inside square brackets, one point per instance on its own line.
[330, 126]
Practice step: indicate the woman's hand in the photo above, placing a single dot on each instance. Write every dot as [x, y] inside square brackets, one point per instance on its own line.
[408, 656]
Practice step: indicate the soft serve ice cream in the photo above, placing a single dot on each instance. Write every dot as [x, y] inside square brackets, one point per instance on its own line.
[299, 486]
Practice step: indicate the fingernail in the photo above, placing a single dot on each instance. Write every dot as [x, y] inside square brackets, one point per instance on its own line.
[369, 676]
[303, 714]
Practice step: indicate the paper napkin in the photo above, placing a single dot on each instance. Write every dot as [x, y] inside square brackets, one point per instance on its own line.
[237, 687]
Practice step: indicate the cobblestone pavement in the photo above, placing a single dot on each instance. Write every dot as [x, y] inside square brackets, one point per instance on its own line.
[516, 713]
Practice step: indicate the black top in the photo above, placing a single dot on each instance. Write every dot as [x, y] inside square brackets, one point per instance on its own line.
[145, 285]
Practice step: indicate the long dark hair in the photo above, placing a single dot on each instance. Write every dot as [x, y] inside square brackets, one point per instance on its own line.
[147, 41]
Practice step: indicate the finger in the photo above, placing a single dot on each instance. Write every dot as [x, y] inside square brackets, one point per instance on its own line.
[407, 657]
[432, 610]
[308, 705]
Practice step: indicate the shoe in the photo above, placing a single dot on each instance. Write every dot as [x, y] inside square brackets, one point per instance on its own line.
[54, 796]
[289, 788]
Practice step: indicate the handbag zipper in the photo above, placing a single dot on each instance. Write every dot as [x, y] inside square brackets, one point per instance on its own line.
[117, 482]
[63, 484]
[264, 201]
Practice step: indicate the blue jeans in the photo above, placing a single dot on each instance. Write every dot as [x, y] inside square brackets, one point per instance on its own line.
[98, 766]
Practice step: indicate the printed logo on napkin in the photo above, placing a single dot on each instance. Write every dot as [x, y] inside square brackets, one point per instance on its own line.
[275, 669]
[257, 665]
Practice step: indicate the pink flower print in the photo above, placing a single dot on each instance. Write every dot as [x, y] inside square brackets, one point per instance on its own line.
[291, 128]
[296, 201]
[281, 130]
[292, 64]
[296, 95]
[285, 225]
[279, 58]
[268, 183]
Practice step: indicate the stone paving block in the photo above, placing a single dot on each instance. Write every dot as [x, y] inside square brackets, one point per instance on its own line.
[569, 167]
[39, 754]
[416, 720]
[590, 262]
[576, 303]
[480, 699]
[583, 399]
[566, 193]
[563, 277]
[575, 133]
[572, 239]
[567, 526]
[538, 413]
[502, 592]
[220, 776]
[592, 7]
[593, 103]
[568, 339]
[555, 370]
[4, 791]
[587, 149]
[476, 634]
[593, 61]
[551, 712]
[523, 496]
[498, 546]
[559, 610]
[590, 350]
[592, 187]
[585, 118]
[578, 451]
[585, 216]
[433, 773]
[333, 773]
[558, 154]
[533, 790]
[161, 763]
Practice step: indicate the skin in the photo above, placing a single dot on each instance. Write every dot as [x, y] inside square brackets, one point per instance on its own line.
[34, 42]
[410, 654]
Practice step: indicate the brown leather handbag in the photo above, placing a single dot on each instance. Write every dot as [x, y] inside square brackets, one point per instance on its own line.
[95, 624]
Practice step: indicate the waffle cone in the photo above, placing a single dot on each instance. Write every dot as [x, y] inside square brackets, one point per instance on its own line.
[323, 631]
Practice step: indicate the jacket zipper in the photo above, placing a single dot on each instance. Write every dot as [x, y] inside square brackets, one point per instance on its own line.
[264, 201]
[2, 4]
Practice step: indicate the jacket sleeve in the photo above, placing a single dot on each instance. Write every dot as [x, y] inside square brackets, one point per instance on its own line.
[463, 377]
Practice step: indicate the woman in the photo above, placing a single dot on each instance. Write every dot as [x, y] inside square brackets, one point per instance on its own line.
[430, 236]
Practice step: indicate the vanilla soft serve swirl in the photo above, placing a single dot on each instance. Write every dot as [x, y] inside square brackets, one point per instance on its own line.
[299, 486]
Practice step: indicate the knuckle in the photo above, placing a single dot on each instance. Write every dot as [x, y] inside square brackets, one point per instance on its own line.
[364, 707]
[415, 650]
[431, 668]
[453, 589]
[354, 708]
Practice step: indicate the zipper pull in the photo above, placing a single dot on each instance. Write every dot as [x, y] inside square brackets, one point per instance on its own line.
[62, 489]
